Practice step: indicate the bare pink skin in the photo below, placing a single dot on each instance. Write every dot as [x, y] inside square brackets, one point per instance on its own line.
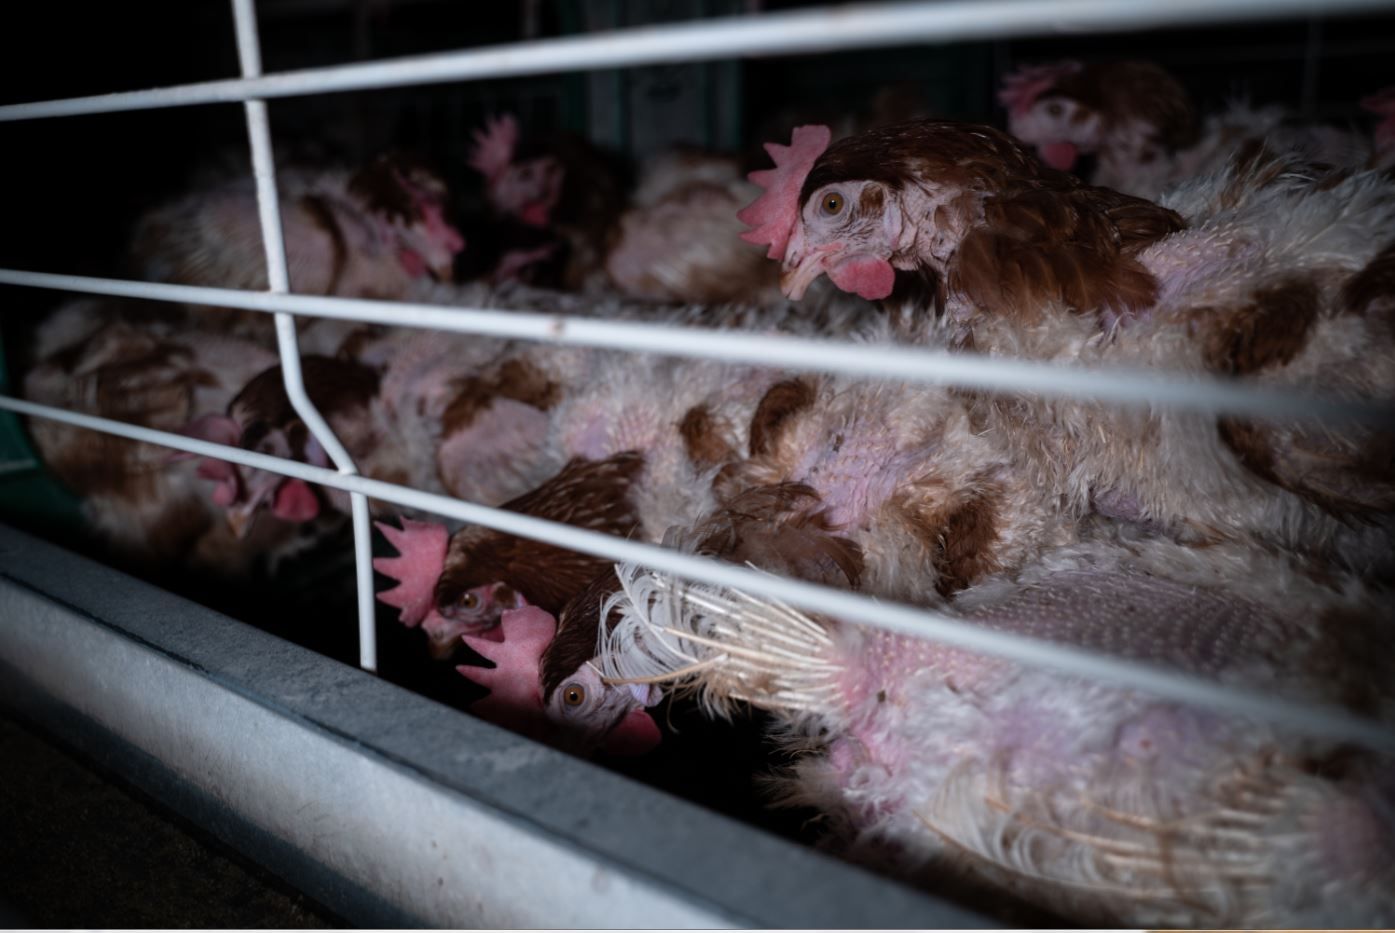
[487, 460]
[858, 475]
[913, 712]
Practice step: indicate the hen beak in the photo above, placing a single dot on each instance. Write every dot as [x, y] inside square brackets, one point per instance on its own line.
[240, 522]
[443, 649]
[796, 279]
[443, 271]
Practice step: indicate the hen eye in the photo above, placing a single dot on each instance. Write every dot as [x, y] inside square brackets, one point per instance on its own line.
[1055, 109]
[470, 601]
[832, 203]
[573, 694]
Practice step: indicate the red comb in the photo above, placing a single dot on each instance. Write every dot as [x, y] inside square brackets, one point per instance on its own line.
[494, 146]
[218, 429]
[773, 214]
[421, 549]
[1022, 87]
[515, 681]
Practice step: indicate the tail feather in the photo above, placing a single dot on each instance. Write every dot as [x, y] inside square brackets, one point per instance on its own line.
[722, 645]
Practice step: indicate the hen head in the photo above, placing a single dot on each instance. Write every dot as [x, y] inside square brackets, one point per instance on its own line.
[886, 200]
[421, 557]
[847, 228]
[408, 202]
[582, 715]
[527, 189]
[1066, 110]
[475, 611]
[589, 713]
[1040, 113]
[262, 419]
[243, 492]
[962, 206]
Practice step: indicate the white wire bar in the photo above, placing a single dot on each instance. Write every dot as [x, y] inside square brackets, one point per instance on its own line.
[279, 283]
[1118, 386]
[1327, 721]
[835, 28]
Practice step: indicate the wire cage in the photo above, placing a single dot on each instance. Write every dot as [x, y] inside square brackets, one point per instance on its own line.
[692, 56]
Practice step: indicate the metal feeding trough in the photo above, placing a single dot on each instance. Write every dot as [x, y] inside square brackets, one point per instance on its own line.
[389, 808]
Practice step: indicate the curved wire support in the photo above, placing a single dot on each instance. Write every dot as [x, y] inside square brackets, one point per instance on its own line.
[278, 282]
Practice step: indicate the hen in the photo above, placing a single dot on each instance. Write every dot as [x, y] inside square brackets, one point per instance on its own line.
[372, 233]
[679, 238]
[976, 245]
[566, 187]
[1102, 804]
[261, 418]
[1139, 124]
[448, 413]
[140, 364]
[525, 606]
[647, 436]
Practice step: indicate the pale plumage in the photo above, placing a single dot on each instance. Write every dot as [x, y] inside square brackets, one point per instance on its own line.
[1102, 804]
[679, 239]
[371, 233]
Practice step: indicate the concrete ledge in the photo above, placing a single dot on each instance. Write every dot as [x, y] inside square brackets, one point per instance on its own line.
[388, 808]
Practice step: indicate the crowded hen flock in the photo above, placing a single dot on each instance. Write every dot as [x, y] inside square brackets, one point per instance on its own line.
[1252, 552]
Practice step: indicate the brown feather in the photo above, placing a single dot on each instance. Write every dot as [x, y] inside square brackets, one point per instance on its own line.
[518, 380]
[781, 402]
[587, 494]
[1133, 90]
[782, 529]
[703, 440]
[578, 628]
[339, 388]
